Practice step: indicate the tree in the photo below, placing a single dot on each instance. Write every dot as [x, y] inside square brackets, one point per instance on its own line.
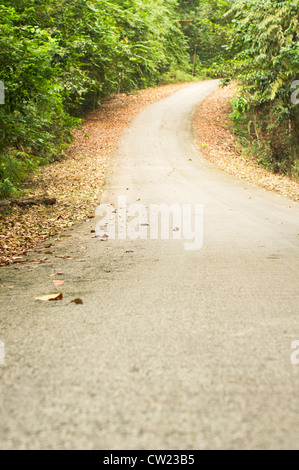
[265, 48]
[206, 27]
[60, 58]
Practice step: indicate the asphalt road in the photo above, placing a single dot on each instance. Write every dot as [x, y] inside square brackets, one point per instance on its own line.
[172, 348]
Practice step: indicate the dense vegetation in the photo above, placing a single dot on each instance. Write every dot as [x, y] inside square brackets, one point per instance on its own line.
[265, 59]
[61, 58]
[206, 29]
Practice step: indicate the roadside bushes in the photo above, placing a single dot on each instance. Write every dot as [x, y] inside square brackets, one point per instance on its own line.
[265, 60]
[34, 126]
[60, 58]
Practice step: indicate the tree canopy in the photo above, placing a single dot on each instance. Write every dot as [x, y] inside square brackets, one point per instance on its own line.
[61, 58]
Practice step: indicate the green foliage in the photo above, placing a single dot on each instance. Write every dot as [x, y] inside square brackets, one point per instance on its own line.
[206, 28]
[60, 58]
[14, 167]
[240, 106]
[265, 59]
[33, 121]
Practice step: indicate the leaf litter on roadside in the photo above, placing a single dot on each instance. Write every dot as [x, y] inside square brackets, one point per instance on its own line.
[221, 146]
[75, 181]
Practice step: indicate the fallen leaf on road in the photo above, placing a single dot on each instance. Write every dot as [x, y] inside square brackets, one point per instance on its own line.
[57, 282]
[46, 298]
[77, 301]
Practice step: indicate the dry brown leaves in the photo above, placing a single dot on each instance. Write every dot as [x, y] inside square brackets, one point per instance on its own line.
[220, 146]
[75, 182]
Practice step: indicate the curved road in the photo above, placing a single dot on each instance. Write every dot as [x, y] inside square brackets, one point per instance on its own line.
[172, 348]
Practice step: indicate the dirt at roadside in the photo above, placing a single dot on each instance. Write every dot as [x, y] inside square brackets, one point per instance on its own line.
[221, 147]
[77, 181]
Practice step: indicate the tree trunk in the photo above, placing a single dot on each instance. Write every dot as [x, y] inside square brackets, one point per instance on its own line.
[194, 59]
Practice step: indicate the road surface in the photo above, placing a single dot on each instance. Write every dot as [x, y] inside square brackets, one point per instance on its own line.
[172, 348]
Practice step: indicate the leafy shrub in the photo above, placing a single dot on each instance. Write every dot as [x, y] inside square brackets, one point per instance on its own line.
[265, 59]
